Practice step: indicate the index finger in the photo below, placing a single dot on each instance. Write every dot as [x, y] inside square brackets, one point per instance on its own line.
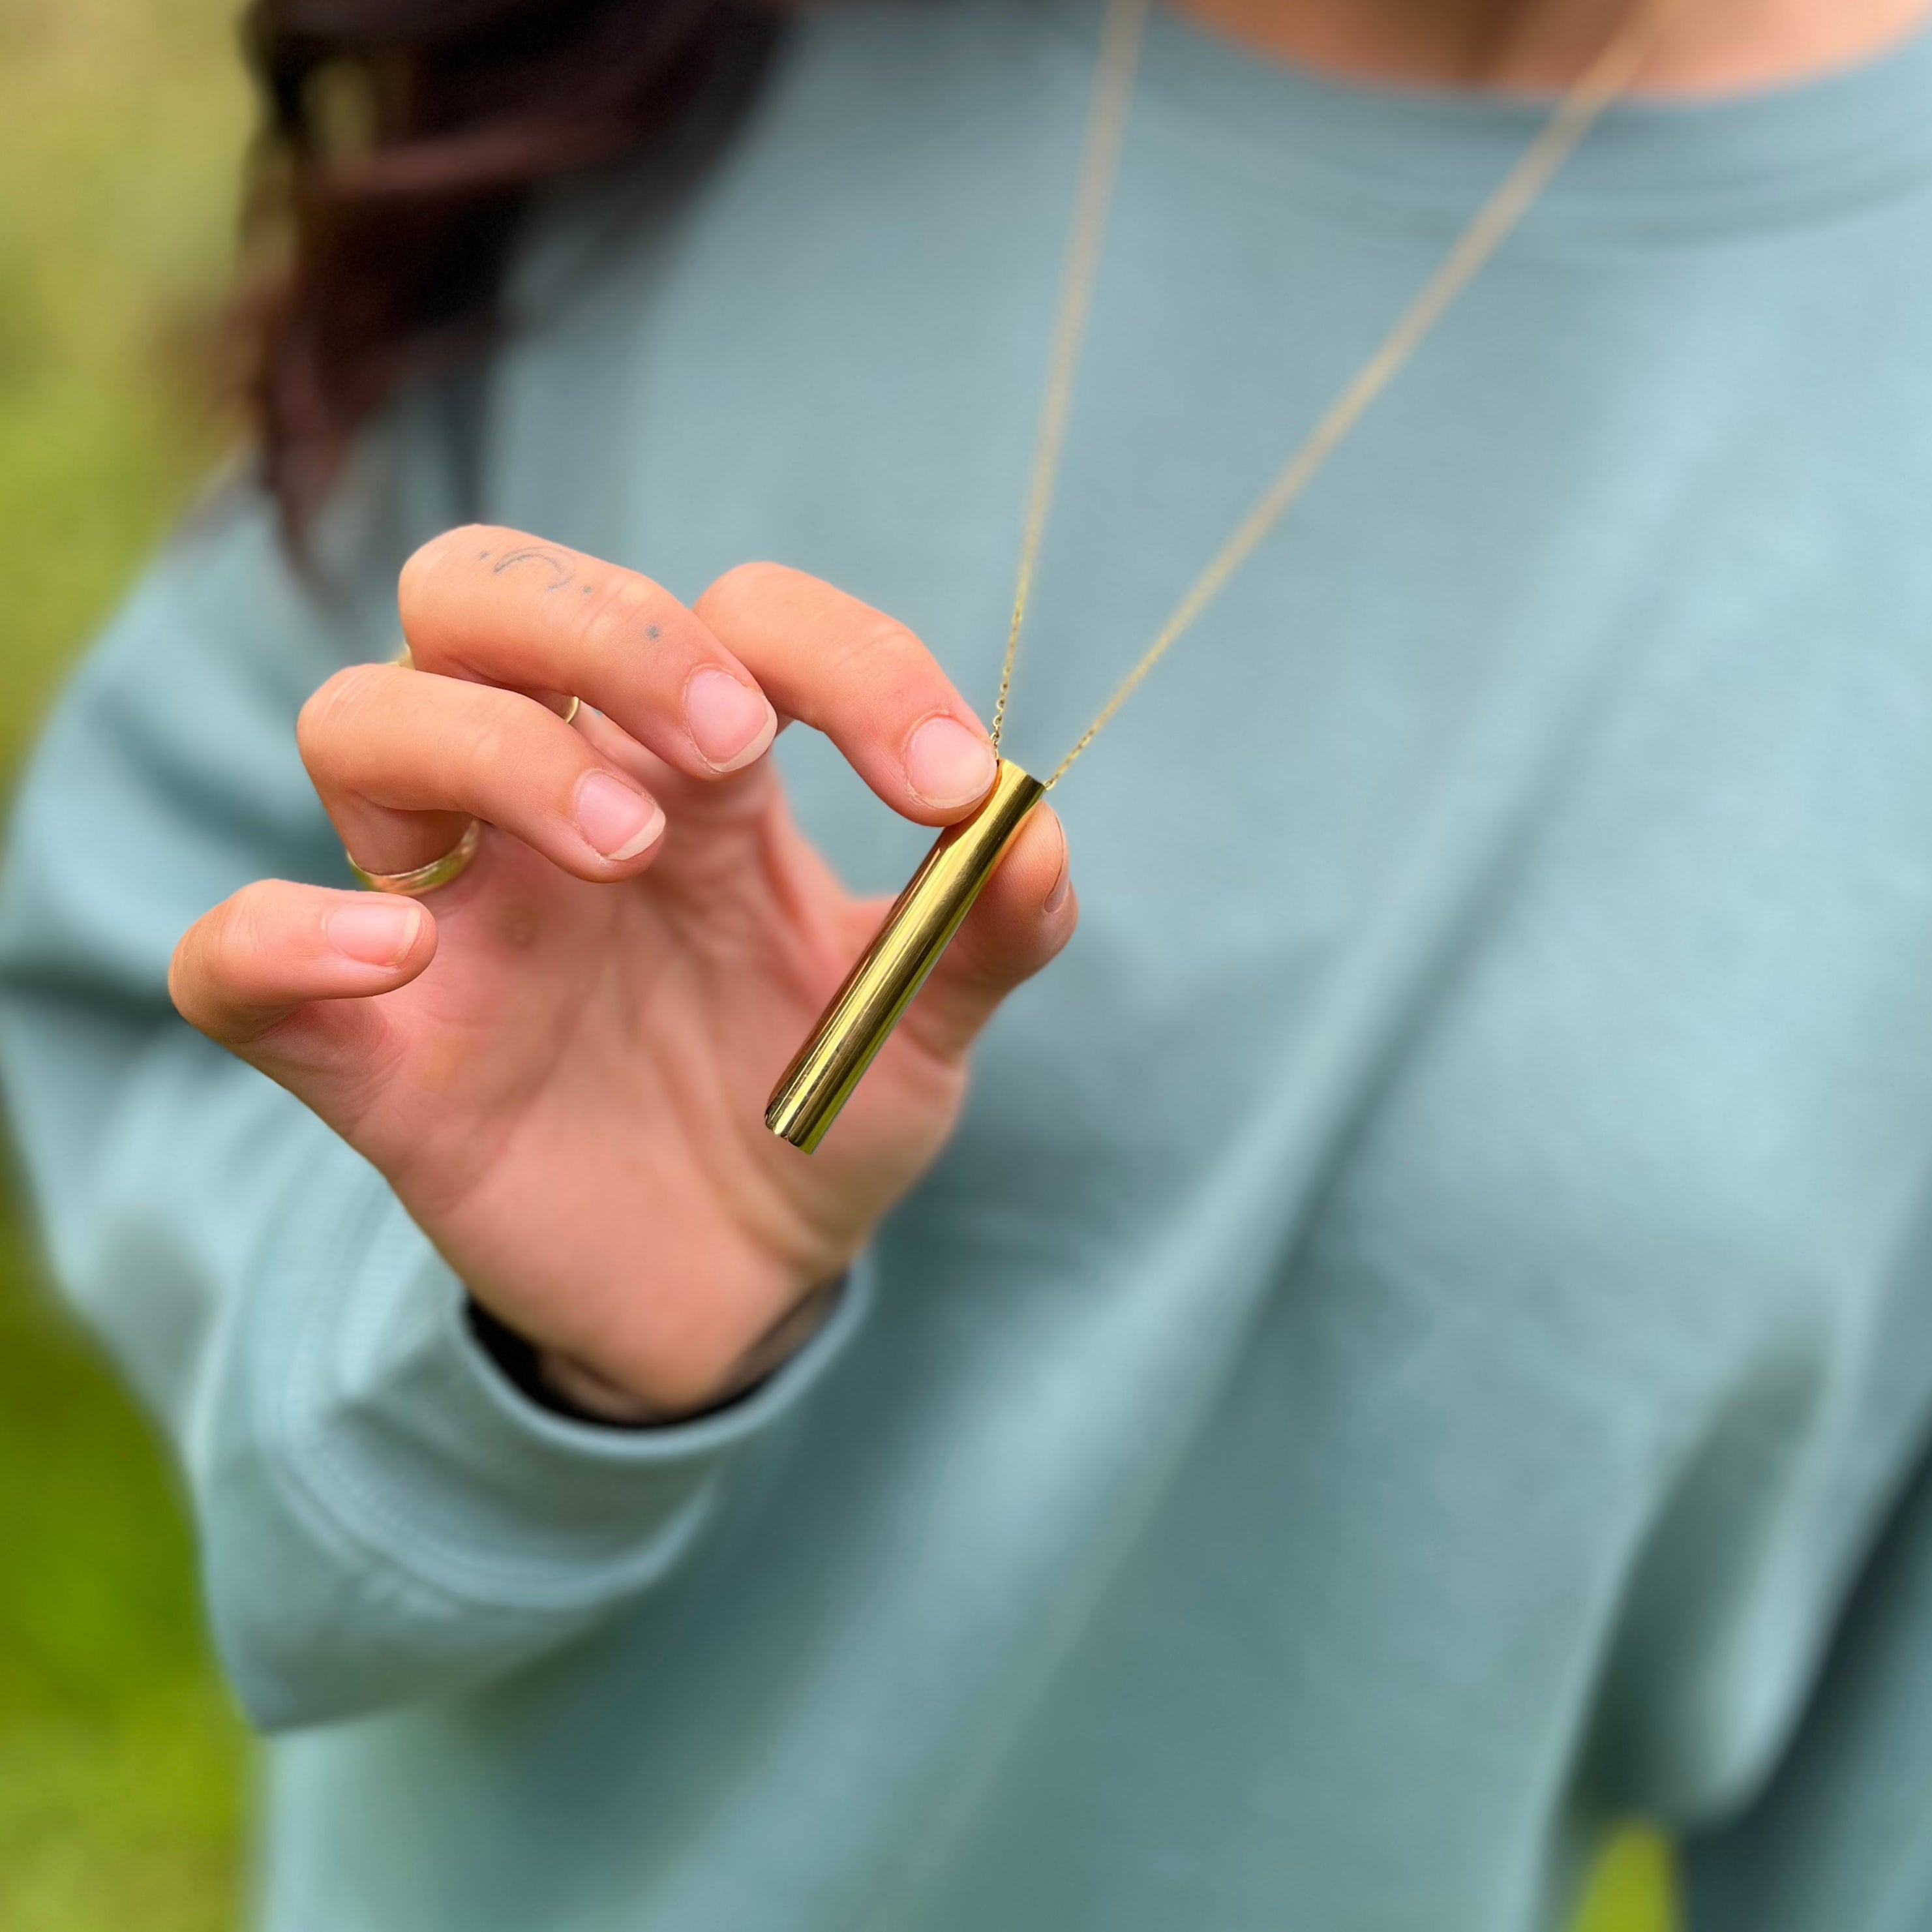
[862, 678]
[498, 606]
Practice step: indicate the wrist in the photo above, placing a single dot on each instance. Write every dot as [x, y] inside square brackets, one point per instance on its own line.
[583, 1392]
[566, 1385]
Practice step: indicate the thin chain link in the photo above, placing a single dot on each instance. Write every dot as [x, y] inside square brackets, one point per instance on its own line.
[1099, 168]
[1603, 82]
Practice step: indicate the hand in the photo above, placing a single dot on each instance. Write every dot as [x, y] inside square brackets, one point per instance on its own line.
[560, 1060]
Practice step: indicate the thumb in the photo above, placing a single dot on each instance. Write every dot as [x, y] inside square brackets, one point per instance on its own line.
[280, 974]
[1026, 913]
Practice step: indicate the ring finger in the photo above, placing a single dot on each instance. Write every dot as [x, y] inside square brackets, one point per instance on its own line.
[403, 760]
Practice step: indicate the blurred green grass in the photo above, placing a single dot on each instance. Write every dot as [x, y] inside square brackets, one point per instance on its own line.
[123, 1766]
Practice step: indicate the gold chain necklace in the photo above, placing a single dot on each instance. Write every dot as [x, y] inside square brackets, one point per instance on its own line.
[923, 919]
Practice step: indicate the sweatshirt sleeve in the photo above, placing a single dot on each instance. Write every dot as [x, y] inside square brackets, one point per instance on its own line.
[383, 1517]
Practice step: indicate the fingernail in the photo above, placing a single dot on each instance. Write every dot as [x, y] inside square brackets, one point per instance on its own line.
[1062, 885]
[947, 764]
[618, 821]
[730, 723]
[375, 931]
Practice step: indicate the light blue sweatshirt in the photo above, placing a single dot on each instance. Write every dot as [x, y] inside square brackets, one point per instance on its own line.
[1423, 1342]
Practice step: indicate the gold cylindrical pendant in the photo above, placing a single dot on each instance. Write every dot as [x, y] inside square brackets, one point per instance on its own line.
[918, 929]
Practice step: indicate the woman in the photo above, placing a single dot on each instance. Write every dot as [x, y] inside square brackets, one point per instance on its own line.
[1418, 1342]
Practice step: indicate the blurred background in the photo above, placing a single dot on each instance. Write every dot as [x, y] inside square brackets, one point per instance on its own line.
[125, 1772]
[123, 1768]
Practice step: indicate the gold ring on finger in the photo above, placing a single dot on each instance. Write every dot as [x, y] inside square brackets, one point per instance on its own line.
[420, 879]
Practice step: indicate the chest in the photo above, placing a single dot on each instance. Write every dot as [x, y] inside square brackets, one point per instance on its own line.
[1547, 803]
[1611, 996]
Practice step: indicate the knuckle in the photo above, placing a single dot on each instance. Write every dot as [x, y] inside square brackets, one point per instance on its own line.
[334, 712]
[900, 679]
[616, 613]
[214, 960]
[489, 741]
[875, 641]
[428, 562]
[237, 930]
[184, 977]
[744, 588]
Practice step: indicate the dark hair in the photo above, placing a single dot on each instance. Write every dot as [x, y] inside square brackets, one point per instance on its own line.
[401, 139]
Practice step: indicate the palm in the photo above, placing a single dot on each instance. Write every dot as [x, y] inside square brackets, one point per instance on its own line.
[565, 1081]
[584, 1069]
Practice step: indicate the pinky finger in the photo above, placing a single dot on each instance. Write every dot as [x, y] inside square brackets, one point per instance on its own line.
[243, 969]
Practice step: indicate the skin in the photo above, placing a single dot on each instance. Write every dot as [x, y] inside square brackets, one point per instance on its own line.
[1705, 46]
[560, 1060]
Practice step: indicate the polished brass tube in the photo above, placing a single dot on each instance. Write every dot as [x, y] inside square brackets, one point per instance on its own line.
[918, 929]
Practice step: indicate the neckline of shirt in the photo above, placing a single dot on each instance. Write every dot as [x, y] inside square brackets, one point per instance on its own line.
[1653, 168]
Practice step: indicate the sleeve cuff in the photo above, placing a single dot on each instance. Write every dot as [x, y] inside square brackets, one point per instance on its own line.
[564, 1388]
[405, 1438]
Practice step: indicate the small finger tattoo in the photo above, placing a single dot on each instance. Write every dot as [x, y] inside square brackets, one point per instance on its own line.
[560, 572]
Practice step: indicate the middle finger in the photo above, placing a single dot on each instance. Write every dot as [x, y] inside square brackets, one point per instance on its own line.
[497, 606]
